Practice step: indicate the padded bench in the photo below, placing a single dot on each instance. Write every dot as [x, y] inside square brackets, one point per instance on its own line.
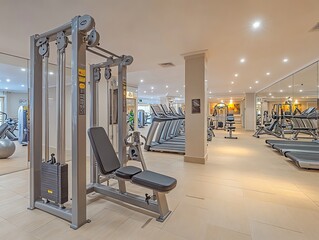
[108, 163]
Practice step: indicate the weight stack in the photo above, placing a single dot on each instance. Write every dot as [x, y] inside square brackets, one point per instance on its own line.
[54, 182]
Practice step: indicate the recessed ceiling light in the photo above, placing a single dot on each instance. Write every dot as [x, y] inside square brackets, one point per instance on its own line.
[269, 94]
[232, 82]
[229, 90]
[250, 87]
[22, 85]
[141, 80]
[256, 81]
[177, 91]
[256, 24]
[51, 73]
[242, 60]
[8, 80]
[166, 86]
[210, 97]
[281, 90]
[285, 60]
[268, 73]
[289, 86]
[144, 91]
[206, 80]
[152, 88]
[210, 92]
[23, 69]
[236, 75]
[6, 88]
[300, 90]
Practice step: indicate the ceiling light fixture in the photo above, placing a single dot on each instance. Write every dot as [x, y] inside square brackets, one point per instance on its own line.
[242, 60]
[23, 69]
[285, 60]
[281, 90]
[51, 73]
[289, 86]
[177, 91]
[210, 92]
[8, 80]
[268, 73]
[256, 82]
[141, 80]
[300, 90]
[250, 87]
[166, 86]
[206, 80]
[6, 88]
[256, 24]
[236, 75]
[152, 88]
[144, 91]
[269, 94]
[232, 82]
[229, 90]
[22, 85]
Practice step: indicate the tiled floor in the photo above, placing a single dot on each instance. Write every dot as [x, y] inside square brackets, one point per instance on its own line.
[245, 191]
[17, 162]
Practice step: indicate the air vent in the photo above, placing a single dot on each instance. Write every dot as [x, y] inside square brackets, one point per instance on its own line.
[315, 28]
[167, 64]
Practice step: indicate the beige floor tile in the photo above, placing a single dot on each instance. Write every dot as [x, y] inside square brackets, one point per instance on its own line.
[219, 233]
[261, 231]
[50, 229]
[12, 208]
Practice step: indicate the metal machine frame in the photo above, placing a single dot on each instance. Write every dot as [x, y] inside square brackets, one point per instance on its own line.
[78, 28]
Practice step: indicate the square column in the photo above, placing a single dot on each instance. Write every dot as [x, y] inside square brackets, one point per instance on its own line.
[195, 108]
[250, 111]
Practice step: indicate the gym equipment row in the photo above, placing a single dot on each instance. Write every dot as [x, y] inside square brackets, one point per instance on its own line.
[304, 154]
[166, 133]
[108, 156]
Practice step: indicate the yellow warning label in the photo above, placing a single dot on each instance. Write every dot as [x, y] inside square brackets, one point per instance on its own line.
[82, 85]
[82, 79]
[82, 72]
[50, 191]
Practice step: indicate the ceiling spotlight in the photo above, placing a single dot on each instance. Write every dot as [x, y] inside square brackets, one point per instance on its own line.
[300, 90]
[8, 80]
[281, 90]
[166, 86]
[22, 85]
[269, 94]
[23, 69]
[268, 73]
[152, 88]
[250, 87]
[210, 97]
[242, 60]
[144, 91]
[210, 92]
[236, 75]
[256, 24]
[229, 90]
[206, 80]
[6, 88]
[289, 86]
[256, 82]
[232, 82]
[285, 60]
[177, 91]
[141, 80]
[51, 73]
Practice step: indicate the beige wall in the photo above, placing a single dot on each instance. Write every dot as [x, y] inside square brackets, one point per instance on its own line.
[12, 103]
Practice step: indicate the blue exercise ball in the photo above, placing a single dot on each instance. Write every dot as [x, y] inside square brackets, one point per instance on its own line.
[7, 148]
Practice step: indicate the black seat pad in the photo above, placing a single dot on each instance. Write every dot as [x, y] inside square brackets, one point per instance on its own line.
[156, 181]
[127, 172]
[231, 127]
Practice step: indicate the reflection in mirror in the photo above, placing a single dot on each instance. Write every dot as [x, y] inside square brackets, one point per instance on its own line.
[13, 113]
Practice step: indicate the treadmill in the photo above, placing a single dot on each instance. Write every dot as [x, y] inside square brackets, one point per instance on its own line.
[304, 160]
[273, 142]
[161, 131]
[296, 148]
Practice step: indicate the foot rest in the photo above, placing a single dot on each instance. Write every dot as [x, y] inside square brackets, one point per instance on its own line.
[153, 180]
[127, 172]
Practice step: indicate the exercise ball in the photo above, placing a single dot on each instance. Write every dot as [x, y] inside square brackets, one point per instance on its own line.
[7, 148]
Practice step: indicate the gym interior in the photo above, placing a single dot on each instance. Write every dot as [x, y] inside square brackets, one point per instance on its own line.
[158, 119]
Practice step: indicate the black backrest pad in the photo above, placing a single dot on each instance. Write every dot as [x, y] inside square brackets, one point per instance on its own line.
[103, 150]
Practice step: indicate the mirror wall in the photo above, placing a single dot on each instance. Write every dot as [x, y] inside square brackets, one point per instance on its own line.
[299, 89]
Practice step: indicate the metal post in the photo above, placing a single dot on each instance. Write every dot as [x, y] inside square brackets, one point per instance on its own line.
[93, 122]
[45, 79]
[122, 125]
[35, 122]
[78, 126]
[60, 108]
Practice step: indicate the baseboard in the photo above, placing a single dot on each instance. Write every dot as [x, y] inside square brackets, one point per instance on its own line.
[198, 160]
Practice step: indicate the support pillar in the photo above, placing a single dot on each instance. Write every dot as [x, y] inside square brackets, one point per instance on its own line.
[250, 111]
[196, 108]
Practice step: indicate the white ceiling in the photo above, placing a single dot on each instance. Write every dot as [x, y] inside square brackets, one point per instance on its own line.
[156, 31]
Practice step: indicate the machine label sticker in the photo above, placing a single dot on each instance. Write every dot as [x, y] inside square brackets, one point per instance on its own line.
[82, 92]
[50, 191]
